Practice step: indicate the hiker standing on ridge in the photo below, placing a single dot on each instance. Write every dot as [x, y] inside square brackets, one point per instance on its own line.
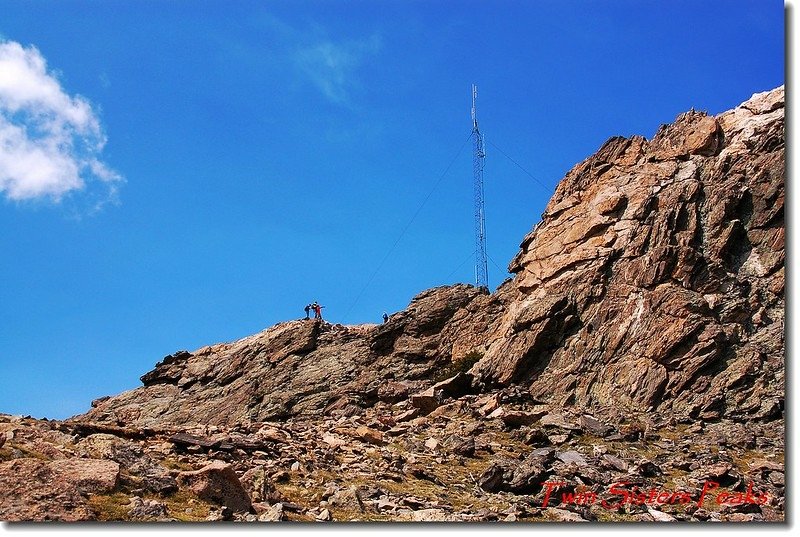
[308, 309]
[385, 317]
[317, 310]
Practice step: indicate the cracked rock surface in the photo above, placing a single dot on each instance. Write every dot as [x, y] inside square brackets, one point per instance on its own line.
[640, 341]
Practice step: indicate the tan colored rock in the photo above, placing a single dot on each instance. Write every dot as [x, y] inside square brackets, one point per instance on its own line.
[765, 102]
[100, 445]
[517, 418]
[660, 516]
[761, 464]
[257, 484]
[30, 491]
[270, 513]
[217, 483]
[363, 433]
[431, 444]
[432, 515]
[147, 510]
[88, 475]
[562, 515]
[348, 499]
[324, 516]
[488, 404]
[368, 435]
[609, 201]
[333, 440]
[392, 392]
[408, 415]
[693, 133]
[427, 400]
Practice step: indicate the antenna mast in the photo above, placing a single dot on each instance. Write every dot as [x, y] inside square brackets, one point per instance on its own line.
[478, 156]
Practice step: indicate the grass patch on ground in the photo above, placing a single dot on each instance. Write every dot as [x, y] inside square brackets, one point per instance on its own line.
[611, 516]
[300, 494]
[115, 507]
[636, 451]
[172, 464]
[178, 504]
[677, 433]
[110, 507]
[743, 460]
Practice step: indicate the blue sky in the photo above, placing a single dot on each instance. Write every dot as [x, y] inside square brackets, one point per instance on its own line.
[194, 172]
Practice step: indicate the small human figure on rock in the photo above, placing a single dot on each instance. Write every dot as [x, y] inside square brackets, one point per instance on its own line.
[317, 310]
[385, 317]
[308, 309]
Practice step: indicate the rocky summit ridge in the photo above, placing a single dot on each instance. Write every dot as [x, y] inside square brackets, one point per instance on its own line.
[641, 339]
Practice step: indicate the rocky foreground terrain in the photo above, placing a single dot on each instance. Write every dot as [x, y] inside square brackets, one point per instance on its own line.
[632, 369]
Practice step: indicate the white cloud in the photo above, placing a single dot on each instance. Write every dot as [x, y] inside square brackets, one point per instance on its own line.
[332, 66]
[50, 142]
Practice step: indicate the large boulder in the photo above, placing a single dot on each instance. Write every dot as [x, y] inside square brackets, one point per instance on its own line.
[217, 483]
[131, 457]
[88, 475]
[31, 491]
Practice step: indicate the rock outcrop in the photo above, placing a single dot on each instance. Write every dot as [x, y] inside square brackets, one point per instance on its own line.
[655, 279]
[640, 341]
[218, 483]
[297, 368]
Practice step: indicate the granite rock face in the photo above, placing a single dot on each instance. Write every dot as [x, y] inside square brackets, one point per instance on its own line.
[641, 340]
[655, 279]
[297, 368]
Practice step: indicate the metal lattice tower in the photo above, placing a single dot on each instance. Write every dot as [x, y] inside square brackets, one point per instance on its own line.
[478, 156]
